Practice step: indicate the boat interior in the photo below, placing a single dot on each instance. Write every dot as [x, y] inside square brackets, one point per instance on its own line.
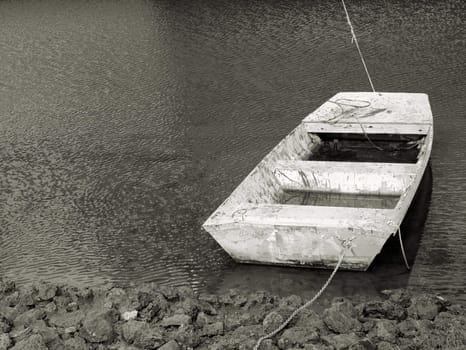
[366, 172]
[378, 148]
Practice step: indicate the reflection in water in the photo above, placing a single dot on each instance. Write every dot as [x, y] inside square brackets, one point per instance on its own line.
[124, 124]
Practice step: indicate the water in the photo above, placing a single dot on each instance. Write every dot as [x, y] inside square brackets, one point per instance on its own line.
[124, 124]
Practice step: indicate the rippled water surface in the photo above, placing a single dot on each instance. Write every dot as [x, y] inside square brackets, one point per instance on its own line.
[124, 124]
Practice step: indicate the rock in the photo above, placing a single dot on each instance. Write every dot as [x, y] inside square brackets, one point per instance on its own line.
[225, 299]
[20, 333]
[212, 329]
[401, 297]
[309, 318]
[72, 306]
[129, 315]
[272, 321]
[268, 344]
[236, 319]
[79, 296]
[28, 317]
[407, 328]
[384, 309]
[13, 299]
[169, 293]
[76, 343]
[185, 291]
[45, 291]
[209, 298]
[149, 312]
[240, 300]
[290, 302]
[5, 325]
[49, 335]
[97, 327]
[171, 345]
[62, 301]
[70, 330]
[202, 319]
[187, 336]
[342, 341]
[142, 335]
[122, 346]
[57, 344]
[34, 342]
[452, 327]
[340, 317]
[258, 298]
[383, 345]
[6, 285]
[50, 308]
[189, 306]
[297, 336]
[65, 320]
[384, 330]
[456, 309]
[363, 344]
[415, 330]
[424, 307]
[207, 308]
[27, 296]
[5, 341]
[176, 320]
[243, 336]
[144, 299]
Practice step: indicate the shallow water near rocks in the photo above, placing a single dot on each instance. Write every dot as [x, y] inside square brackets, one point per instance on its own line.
[124, 124]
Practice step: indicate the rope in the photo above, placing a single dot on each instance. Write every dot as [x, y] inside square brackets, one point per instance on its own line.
[364, 104]
[346, 246]
[403, 250]
[353, 34]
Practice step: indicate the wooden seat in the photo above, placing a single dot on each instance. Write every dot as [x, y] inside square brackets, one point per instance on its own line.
[345, 177]
[360, 220]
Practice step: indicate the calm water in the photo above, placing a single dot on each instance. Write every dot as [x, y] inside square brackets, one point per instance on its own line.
[124, 124]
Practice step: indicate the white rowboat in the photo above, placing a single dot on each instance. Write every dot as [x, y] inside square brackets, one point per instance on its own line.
[347, 172]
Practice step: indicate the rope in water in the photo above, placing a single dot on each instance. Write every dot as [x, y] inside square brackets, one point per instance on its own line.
[355, 39]
[346, 246]
[403, 250]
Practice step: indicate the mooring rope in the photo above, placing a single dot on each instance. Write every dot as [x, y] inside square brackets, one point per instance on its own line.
[355, 39]
[403, 250]
[346, 245]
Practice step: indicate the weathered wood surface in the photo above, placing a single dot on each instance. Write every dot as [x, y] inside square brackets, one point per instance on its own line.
[345, 177]
[252, 227]
[368, 107]
[369, 128]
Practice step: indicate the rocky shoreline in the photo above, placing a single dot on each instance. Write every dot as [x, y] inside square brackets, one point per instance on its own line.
[50, 316]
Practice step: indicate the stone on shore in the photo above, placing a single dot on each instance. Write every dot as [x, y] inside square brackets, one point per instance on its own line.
[142, 334]
[34, 342]
[97, 327]
[176, 320]
[5, 341]
[341, 317]
[56, 317]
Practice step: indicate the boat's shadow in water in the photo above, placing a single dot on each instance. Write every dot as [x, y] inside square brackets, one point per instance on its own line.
[387, 271]
[412, 227]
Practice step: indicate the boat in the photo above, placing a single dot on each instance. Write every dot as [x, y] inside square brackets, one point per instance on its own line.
[347, 173]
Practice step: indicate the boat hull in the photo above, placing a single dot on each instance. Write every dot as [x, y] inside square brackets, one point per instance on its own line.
[364, 202]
